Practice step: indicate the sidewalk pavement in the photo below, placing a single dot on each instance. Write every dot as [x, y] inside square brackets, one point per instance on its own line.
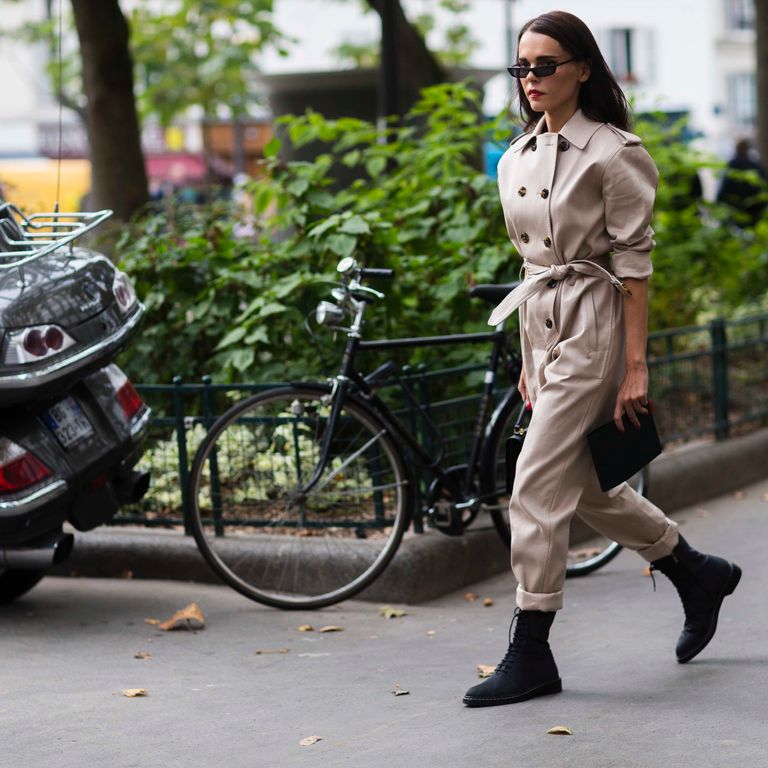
[431, 565]
[246, 690]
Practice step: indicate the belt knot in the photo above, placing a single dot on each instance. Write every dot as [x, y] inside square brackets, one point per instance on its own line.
[559, 271]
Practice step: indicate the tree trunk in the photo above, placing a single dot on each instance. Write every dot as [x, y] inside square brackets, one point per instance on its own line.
[416, 67]
[761, 49]
[118, 176]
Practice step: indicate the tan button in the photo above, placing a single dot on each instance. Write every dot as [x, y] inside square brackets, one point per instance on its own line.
[524, 237]
[547, 242]
[548, 323]
[544, 193]
[522, 191]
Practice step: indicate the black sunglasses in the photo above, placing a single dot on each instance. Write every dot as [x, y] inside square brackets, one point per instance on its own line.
[542, 70]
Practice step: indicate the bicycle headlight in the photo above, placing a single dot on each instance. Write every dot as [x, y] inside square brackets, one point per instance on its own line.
[328, 313]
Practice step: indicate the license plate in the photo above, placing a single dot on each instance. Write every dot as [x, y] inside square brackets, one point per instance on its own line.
[67, 422]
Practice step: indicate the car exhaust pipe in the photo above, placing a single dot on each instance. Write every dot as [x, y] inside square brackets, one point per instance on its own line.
[39, 555]
[131, 486]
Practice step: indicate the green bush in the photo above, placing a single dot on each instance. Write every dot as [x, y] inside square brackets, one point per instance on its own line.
[234, 307]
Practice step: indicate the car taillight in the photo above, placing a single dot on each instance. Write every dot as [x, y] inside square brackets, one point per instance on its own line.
[28, 345]
[19, 468]
[129, 399]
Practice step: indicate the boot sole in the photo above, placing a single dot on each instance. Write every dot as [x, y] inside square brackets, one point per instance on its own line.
[555, 686]
[730, 586]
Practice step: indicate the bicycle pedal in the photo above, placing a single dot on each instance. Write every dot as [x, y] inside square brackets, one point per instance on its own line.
[445, 518]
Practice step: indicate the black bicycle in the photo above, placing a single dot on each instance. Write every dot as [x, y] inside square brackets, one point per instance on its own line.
[302, 494]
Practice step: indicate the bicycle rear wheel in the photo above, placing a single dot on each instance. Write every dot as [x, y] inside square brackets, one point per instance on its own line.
[588, 549]
[268, 537]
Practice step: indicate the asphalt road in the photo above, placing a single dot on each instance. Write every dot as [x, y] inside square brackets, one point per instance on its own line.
[212, 699]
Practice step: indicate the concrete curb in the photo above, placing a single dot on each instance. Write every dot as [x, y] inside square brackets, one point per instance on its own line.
[431, 565]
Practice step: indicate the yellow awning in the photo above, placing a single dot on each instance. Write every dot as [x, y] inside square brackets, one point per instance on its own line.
[30, 183]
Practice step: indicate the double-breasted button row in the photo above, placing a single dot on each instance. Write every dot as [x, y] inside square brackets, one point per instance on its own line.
[525, 237]
[523, 191]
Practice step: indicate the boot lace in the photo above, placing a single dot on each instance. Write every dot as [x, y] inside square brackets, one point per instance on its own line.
[515, 642]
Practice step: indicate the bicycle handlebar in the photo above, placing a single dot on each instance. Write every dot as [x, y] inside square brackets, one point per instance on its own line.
[376, 272]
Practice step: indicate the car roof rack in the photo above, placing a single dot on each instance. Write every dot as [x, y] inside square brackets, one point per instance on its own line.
[26, 238]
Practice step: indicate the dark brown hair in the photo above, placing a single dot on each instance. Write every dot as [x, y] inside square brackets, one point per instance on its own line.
[600, 97]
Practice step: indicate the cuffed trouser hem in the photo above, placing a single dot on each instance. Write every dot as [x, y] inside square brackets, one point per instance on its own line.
[663, 546]
[533, 601]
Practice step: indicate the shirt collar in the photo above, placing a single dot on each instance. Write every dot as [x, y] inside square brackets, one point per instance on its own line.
[578, 131]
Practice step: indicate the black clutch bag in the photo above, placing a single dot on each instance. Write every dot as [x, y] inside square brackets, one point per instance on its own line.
[619, 455]
[514, 445]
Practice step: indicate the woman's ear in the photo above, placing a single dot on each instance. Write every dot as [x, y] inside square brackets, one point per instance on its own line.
[586, 71]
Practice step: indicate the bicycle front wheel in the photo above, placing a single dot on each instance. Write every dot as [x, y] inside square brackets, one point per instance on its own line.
[588, 549]
[270, 536]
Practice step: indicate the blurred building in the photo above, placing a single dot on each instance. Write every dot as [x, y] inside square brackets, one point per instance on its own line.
[694, 57]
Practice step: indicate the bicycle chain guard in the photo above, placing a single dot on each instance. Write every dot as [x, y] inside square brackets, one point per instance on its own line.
[441, 502]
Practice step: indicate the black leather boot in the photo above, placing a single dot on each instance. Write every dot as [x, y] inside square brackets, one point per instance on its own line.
[528, 668]
[703, 582]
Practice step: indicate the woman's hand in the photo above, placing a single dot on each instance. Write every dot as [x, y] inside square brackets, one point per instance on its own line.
[633, 395]
[522, 387]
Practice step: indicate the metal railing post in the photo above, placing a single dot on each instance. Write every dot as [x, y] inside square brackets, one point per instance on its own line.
[719, 338]
[213, 458]
[181, 442]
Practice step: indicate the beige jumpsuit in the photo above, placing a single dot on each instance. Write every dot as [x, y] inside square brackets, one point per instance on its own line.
[584, 194]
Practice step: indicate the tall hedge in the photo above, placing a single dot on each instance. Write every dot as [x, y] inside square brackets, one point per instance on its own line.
[233, 305]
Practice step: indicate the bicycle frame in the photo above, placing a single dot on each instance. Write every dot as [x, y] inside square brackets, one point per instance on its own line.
[348, 377]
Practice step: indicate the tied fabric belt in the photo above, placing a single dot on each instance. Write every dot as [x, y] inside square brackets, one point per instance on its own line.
[537, 276]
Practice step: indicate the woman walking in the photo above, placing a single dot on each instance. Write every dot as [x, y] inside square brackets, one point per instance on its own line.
[577, 190]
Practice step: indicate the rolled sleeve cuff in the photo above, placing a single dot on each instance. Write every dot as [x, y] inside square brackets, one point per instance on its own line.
[632, 264]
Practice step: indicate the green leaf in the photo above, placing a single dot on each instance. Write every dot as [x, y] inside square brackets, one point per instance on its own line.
[297, 187]
[375, 165]
[258, 335]
[235, 335]
[272, 147]
[356, 225]
[341, 245]
[324, 226]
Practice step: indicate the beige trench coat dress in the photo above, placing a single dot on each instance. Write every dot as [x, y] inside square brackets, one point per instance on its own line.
[577, 206]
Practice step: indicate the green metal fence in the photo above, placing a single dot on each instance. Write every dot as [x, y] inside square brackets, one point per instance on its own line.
[706, 381]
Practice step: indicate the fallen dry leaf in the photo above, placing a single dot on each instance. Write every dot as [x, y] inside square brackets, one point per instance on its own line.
[431, 632]
[262, 651]
[647, 570]
[331, 628]
[398, 691]
[310, 740]
[485, 670]
[388, 612]
[190, 617]
[132, 693]
[560, 730]
[470, 597]
[142, 655]
[306, 628]
[153, 622]
[487, 602]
